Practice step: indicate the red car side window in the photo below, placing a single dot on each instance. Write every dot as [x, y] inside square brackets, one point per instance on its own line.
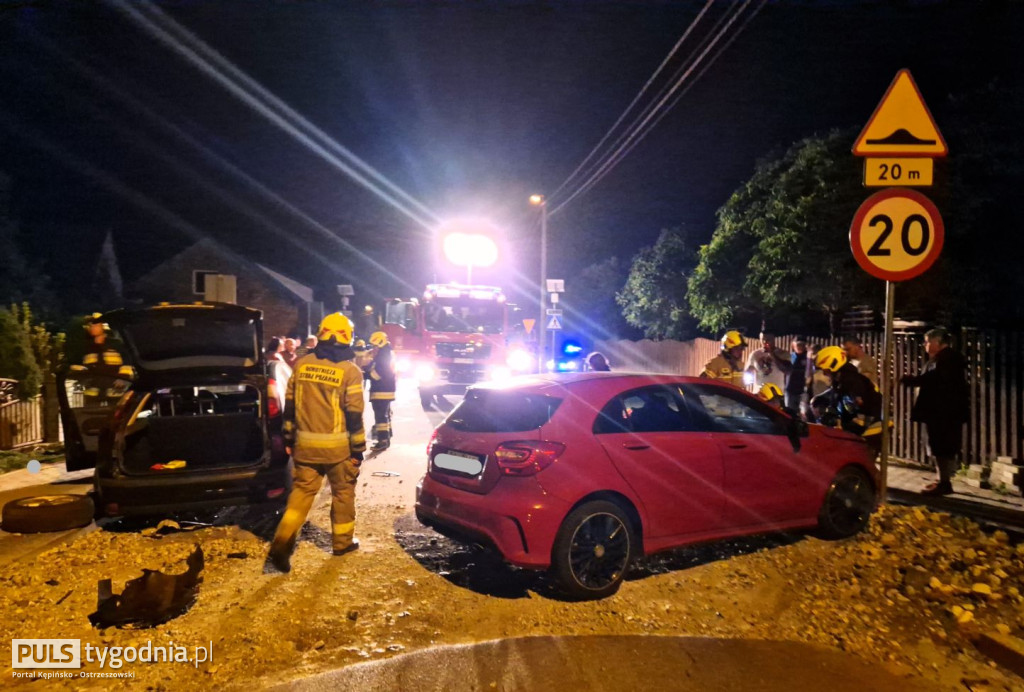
[647, 409]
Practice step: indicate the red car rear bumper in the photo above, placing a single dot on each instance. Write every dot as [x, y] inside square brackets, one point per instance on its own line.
[516, 517]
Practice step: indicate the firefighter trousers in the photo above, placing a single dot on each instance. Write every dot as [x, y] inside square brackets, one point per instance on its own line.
[381, 419]
[306, 482]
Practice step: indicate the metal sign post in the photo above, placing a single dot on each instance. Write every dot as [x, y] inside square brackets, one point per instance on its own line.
[888, 386]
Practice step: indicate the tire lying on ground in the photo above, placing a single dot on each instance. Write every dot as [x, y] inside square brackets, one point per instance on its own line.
[43, 513]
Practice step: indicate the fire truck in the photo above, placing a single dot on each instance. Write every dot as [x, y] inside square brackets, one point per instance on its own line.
[454, 336]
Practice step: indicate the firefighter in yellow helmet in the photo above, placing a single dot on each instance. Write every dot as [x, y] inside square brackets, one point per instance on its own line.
[852, 397]
[323, 432]
[102, 372]
[771, 394]
[382, 390]
[727, 366]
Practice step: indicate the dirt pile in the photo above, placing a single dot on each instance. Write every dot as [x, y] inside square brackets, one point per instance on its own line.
[908, 594]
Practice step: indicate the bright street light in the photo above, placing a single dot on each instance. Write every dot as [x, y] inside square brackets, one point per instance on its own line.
[464, 245]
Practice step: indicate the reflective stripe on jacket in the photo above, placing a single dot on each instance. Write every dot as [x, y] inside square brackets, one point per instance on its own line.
[323, 420]
[723, 369]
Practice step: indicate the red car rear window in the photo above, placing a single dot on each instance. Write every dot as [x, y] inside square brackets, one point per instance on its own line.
[487, 410]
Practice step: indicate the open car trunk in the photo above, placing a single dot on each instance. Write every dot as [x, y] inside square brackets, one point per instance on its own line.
[184, 429]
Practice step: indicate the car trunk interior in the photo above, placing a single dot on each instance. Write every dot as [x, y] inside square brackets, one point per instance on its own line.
[208, 427]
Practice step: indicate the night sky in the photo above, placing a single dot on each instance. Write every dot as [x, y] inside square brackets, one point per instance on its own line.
[468, 107]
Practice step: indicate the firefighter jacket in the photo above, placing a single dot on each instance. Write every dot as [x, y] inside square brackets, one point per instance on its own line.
[100, 359]
[323, 415]
[725, 369]
[382, 375]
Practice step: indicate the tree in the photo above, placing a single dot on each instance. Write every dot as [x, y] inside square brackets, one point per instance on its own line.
[589, 301]
[16, 358]
[654, 297]
[781, 245]
[48, 348]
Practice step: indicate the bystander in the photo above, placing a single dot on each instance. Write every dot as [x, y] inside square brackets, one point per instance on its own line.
[942, 405]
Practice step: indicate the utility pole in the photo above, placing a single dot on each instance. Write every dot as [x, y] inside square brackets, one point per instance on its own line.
[540, 201]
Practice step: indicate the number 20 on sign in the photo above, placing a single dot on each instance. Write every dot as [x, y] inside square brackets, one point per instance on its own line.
[896, 235]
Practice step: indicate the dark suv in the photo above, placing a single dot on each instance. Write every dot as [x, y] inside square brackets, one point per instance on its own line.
[194, 425]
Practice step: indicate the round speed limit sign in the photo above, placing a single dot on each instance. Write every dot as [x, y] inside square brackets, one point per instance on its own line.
[896, 234]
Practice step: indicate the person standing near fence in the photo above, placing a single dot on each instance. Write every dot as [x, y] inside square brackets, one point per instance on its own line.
[864, 362]
[942, 405]
[728, 364]
[796, 378]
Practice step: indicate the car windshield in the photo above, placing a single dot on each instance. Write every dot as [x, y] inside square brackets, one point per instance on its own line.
[464, 316]
[497, 411]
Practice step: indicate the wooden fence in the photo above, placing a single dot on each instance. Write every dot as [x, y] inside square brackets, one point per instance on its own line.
[21, 423]
[995, 369]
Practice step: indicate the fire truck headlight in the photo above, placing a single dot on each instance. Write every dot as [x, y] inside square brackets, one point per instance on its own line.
[425, 372]
[500, 372]
[519, 360]
[403, 365]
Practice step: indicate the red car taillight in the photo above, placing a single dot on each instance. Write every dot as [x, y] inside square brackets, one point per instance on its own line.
[430, 444]
[526, 457]
[273, 407]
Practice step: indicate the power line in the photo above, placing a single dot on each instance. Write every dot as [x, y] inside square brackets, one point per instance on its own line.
[636, 98]
[658, 110]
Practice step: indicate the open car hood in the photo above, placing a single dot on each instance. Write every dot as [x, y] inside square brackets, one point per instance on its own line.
[167, 339]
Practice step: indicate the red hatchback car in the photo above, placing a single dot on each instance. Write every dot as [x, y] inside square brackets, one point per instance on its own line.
[582, 473]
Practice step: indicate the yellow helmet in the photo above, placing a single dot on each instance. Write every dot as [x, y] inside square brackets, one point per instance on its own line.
[770, 392]
[831, 358]
[732, 339]
[336, 326]
[379, 339]
[359, 346]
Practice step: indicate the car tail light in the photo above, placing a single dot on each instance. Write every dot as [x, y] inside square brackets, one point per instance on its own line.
[273, 407]
[527, 457]
[430, 444]
[275, 493]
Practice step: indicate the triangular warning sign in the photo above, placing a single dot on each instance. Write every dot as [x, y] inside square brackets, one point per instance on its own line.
[554, 322]
[901, 124]
[528, 323]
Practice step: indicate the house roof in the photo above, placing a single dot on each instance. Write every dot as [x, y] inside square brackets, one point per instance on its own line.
[288, 285]
[303, 292]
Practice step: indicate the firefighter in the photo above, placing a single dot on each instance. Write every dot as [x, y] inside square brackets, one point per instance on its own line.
[771, 394]
[852, 396]
[382, 390]
[102, 366]
[323, 432]
[728, 365]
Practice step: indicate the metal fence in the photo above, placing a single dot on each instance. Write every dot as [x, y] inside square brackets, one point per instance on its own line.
[21, 423]
[995, 373]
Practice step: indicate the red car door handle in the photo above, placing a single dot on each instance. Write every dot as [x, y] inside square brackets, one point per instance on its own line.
[635, 445]
[738, 446]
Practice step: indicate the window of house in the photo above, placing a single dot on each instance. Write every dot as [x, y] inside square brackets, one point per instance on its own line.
[199, 280]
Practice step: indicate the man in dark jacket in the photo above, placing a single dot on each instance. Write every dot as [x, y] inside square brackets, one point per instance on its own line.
[942, 405]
